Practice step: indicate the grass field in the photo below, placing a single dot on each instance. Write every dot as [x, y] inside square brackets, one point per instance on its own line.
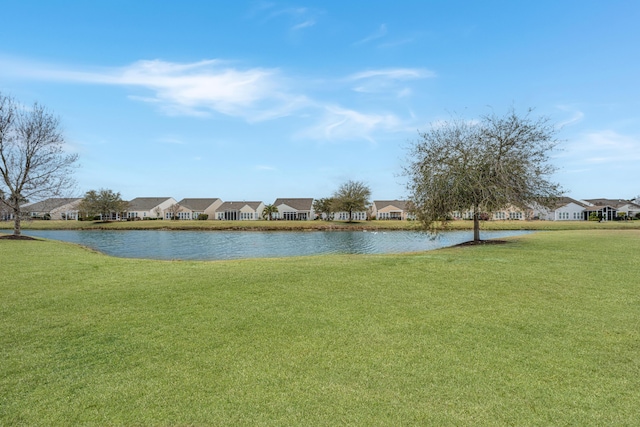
[544, 330]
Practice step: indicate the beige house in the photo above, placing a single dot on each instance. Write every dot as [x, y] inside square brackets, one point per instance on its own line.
[54, 208]
[295, 209]
[149, 207]
[193, 208]
[391, 209]
[512, 213]
[240, 211]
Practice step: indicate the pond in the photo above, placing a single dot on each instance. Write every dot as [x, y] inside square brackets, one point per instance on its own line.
[224, 245]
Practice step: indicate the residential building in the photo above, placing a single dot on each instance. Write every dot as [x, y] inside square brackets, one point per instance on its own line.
[295, 209]
[391, 209]
[564, 209]
[149, 207]
[193, 208]
[608, 209]
[240, 211]
[55, 208]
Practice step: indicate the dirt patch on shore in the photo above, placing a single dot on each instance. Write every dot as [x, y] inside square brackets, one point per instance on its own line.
[483, 242]
[14, 237]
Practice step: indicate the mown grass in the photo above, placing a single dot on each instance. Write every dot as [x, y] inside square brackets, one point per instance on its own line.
[318, 225]
[542, 331]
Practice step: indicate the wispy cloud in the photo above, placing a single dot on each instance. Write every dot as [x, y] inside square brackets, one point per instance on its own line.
[253, 94]
[576, 116]
[305, 24]
[380, 32]
[603, 147]
[298, 17]
[342, 124]
[394, 73]
[388, 80]
[198, 88]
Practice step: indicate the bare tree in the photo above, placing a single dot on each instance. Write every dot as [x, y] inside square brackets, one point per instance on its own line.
[352, 196]
[174, 210]
[481, 166]
[33, 164]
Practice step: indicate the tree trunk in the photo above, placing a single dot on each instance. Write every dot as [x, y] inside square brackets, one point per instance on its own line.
[476, 226]
[16, 222]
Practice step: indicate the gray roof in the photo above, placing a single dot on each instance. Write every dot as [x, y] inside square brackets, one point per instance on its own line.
[614, 203]
[50, 204]
[300, 204]
[381, 204]
[563, 201]
[235, 206]
[197, 204]
[146, 203]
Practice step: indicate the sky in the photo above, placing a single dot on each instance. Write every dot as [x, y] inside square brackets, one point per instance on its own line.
[258, 100]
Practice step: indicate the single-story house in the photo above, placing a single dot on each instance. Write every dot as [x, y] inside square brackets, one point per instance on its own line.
[512, 213]
[56, 208]
[564, 209]
[193, 208]
[355, 216]
[149, 207]
[391, 209]
[295, 209]
[240, 211]
[608, 209]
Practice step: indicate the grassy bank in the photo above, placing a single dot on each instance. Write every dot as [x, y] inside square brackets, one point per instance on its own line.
[541, 331]
[316, 225]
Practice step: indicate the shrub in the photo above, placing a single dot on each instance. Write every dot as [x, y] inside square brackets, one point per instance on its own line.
[203, 217]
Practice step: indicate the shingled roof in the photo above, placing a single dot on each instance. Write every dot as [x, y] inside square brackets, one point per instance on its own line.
[228, 206]
[50, 204]
[197, 204]
[300, 204]
[146, 203]
[381, 204]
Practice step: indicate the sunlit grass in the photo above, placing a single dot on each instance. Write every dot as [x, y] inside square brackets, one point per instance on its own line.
[541, 331]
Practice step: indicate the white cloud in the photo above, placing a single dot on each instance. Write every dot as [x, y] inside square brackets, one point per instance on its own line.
[388, 80]
[305, 24]
[253, 94]
[343, 124]
[380, 32]
[576, 116]
[603, 147]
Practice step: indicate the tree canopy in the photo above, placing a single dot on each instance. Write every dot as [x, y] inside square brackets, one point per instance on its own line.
[33, 163]
[102, 202]
[324, 208]
[352, 196]
[481, 166]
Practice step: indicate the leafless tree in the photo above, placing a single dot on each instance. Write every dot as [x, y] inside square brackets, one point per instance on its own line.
[33, 163]
[174, 210]
[481, 166]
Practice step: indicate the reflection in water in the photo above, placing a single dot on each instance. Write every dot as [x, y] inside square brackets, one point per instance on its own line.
[217, 245]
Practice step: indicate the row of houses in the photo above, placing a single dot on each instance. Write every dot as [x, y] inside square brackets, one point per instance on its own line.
[566, 209]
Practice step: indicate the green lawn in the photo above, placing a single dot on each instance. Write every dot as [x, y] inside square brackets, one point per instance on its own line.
[544, 330]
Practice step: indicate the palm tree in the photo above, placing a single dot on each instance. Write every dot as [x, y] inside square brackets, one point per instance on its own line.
[269, 211]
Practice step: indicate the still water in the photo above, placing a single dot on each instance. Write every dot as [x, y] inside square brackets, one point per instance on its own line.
[219, 245]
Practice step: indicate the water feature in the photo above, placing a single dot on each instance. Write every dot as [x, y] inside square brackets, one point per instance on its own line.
[219, 245]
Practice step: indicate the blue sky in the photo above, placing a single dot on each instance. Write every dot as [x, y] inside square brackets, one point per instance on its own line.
[254, 100]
